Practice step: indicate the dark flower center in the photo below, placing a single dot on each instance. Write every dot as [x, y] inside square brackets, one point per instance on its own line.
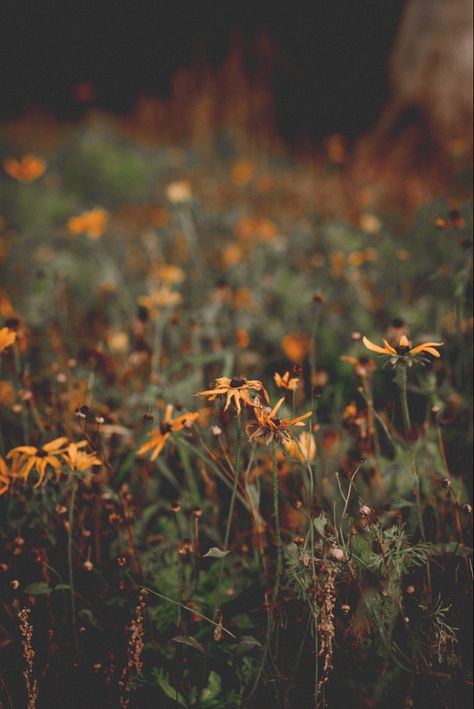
[165, 428]
[363, 360]
[403, 350]
[41, 453]
[237, 382]
[275, 420]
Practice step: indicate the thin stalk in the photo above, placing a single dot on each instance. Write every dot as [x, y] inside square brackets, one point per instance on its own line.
[402, 383]
[276, 510]
[231, 506]
[69, 553]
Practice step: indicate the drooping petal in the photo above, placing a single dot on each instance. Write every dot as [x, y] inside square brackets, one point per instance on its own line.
[26, 450]
[426, 346]
[376, 348]
[389, 349]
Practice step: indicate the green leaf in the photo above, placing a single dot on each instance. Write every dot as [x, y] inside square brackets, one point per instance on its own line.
[189, 641]
[246, 644]
[320, 524]
[39, 588]
[162, 680]
[213, 688]
[215, 553]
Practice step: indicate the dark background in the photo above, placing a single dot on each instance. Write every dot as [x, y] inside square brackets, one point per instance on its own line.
[328, 67]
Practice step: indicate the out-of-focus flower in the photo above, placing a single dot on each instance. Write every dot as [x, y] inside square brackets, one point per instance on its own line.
[296, 346]
[7, 338]
[159, 436]
[7, 393]
[92, 223]
[231, 254]
[286, 381]
[169, 273]
[28, 458]
[235, 389]
[28, 169]
[242, 338]
[271, 428]
[242, 172]
[363, 366]
[370, 223]
[179, 192]
[403, 255]
[250, 229]
[304, 448]
[357, 258]
[160, 297]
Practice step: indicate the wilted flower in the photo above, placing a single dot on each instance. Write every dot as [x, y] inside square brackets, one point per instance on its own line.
[286, 381]
[270, 427]
[236, 389]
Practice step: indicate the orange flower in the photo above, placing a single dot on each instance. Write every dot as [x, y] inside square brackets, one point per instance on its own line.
[28, 458]
[236, 389]
[242, 172]
[403, 349]
[78, 459]
[362, 365]
[159, 436]
[295, 347]
[7, 338]
[269, 426]
[92, 223]
[27, 169]
[4, 476]
[286, 381]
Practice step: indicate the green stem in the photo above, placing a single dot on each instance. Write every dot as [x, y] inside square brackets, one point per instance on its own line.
[69, 552]
[276, 510]
[231, 506]
[402, 383]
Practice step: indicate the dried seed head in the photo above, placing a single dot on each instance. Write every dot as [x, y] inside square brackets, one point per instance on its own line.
[467, 508]
[365, 511]
[175, 507]
[446, 482]
[345, 608]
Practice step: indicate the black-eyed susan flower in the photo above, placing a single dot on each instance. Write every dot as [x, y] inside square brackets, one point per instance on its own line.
[235, 389]
[159, 436]
[286, 381]
[28, 458]
[404, 352]
[269, 426]
[7, 338]
[78, 459]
